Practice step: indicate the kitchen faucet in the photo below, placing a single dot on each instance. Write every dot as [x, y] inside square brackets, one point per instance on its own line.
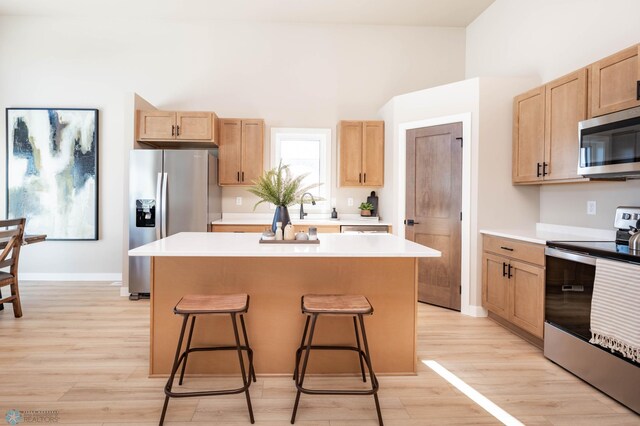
[313, 202]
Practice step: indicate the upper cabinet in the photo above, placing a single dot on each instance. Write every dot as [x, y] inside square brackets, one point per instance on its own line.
[241, 151]
[545, 130]
[177, 129]
[361, 153]
[615, 82]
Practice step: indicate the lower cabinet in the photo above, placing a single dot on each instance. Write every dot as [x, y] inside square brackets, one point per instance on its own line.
[513, 289]
[261, 228]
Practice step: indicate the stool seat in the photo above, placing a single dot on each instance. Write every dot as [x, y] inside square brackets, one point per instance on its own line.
[346, 304]
[212, 304]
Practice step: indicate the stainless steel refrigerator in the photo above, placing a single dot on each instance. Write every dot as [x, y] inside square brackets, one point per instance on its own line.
[170, 191]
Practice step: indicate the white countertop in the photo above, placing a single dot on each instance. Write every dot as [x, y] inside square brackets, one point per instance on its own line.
[227, 244]
[262, 219]
[544, 232]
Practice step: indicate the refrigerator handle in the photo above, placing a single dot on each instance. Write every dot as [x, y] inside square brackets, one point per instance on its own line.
[163, 219]
[158, 206]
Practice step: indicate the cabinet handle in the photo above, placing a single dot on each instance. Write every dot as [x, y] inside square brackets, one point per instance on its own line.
[178, 130]
[504, 269]
[243, 176]
[365, 178]
[359, 177]
[638, 91]
[173, 130]
[509, 275]
[238, 177]
[544, 169]
[538, 173]
[506, 248]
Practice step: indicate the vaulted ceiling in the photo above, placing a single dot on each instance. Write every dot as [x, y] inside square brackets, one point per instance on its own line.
[440, 13]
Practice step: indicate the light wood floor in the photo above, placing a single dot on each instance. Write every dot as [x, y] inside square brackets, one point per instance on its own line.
[82, 350]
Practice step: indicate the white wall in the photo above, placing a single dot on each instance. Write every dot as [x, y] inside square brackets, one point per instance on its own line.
[547, 39]
[290, 75]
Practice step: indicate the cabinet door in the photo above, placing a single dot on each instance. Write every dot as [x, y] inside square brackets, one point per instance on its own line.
[495, 295]
[526, 294]
[528, 136]
[229, 151]
[156, 125]
[566, 105]
[252, 151]
[614, 82]
[350, 135]
[194, 126]
[373, 153]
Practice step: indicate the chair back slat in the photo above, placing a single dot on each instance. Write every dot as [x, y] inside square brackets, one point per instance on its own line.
[14, 243]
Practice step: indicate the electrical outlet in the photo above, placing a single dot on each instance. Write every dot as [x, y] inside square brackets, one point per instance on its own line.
[350, 202]
[238, 201]
[591, 207]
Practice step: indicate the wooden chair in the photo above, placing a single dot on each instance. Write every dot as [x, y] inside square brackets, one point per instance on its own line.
[11, 235]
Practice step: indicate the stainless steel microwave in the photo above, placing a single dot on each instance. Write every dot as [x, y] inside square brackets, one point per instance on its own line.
[610, 145]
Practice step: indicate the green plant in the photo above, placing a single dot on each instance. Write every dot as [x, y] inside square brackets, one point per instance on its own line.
[366, 206]
[279, 187]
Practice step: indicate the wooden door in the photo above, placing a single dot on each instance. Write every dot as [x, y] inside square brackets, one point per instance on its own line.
[350, 137]
[495, 285]
[528, 136]
[434, 202]
[229, 151]
[614, 82]
[194, 126]
[156, 125]
[252, 151]
[566, 105]
[373, 153]
[526, 294]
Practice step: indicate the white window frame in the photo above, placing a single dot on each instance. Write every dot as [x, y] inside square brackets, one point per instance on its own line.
[324, 136]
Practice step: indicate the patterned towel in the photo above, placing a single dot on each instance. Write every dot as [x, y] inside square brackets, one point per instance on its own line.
[615, 308]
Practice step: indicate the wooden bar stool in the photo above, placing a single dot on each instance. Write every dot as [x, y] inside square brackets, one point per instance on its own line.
[235, 305]
[314, 305]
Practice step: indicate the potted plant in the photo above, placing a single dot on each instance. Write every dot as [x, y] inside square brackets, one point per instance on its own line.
[278, 187]
[365, 209]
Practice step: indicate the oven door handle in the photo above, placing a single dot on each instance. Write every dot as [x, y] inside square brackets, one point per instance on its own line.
[568, 255]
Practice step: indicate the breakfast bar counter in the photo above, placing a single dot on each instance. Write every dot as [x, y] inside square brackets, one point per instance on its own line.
[381, 267]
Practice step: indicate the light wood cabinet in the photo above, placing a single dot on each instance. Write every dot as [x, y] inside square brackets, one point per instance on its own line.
[176, 129]
[239, 228]
[241, 151]
[615, 82]
[545, 130]
[361, 153]
[513, 275]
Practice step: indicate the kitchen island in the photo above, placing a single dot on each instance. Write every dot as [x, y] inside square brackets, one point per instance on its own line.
[382, 267]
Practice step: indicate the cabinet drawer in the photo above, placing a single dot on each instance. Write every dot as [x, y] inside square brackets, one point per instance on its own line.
[240, 228]
[526, 252]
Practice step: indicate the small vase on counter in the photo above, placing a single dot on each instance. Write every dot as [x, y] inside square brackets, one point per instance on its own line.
[279, 235]
[289, 233]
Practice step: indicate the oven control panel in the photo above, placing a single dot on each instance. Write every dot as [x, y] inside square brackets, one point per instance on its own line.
[626, 217]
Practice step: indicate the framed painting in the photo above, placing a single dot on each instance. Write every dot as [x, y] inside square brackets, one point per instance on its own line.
[52, 171]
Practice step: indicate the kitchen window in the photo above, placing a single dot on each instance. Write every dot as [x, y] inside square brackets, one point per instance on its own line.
[306, 151]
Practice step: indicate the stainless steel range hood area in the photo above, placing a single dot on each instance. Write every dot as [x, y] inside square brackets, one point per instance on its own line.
[609, 146]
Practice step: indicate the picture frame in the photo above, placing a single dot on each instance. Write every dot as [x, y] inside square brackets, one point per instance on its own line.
[52, 173]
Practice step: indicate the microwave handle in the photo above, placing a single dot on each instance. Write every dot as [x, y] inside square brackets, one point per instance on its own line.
[567, 255]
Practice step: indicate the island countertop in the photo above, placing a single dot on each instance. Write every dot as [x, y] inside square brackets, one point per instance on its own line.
[208, 244]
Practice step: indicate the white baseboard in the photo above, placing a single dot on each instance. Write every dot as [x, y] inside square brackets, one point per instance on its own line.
[474, 311]
[124, 291]
[36, 276]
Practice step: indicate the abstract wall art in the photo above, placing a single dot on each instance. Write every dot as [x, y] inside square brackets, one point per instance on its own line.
[52, 171]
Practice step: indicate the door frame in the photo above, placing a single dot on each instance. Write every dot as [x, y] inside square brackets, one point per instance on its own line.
[465, 119]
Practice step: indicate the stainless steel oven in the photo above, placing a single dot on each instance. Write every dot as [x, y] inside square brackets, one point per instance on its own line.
[570, 276]
[610, 145]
